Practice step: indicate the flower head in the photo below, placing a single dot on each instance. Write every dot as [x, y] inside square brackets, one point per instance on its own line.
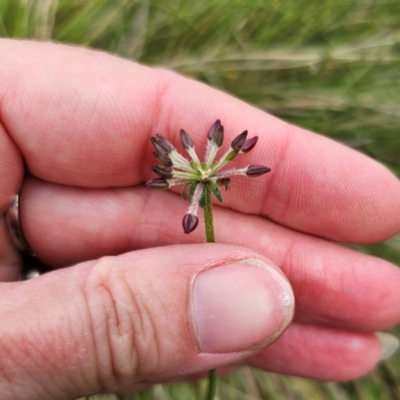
[195, 175]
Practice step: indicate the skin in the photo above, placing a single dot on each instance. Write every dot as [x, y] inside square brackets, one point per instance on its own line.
[80, 121]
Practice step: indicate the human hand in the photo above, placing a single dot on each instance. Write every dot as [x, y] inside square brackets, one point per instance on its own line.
[135, 308]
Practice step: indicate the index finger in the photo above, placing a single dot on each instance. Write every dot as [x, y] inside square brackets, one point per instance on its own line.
[84, 118]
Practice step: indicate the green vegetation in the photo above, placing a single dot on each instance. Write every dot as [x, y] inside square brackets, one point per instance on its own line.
[331, 66]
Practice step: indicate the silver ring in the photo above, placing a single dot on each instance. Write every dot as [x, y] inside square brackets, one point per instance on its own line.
[32, 266]
[14, 226]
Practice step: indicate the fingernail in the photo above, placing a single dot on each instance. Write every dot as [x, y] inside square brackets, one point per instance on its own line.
[389, 344]
[239, 306]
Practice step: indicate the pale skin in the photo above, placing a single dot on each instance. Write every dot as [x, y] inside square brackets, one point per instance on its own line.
[81, 122]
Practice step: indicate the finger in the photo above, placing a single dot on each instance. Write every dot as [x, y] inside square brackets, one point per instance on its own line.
[334, 285]
[106, 109]
[140, 317]
[320, 353]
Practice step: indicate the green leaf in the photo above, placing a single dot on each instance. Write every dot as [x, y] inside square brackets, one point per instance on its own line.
[214, 188]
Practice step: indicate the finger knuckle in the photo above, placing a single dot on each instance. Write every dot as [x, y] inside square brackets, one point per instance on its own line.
[124, 334]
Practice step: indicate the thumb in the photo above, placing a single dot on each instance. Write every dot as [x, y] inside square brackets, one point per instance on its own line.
[144, 316]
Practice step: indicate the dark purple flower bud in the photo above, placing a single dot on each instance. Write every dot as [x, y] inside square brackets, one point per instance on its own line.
[158, 147]
[249, 144]
[216, 133]
[186, 140]
[164, 160]
[224, 182]
[189, 223]
[215, 126]
[239, 142]
[165, 143]
[160, 184]
[163, 172]
[162, 145]
[257, 170]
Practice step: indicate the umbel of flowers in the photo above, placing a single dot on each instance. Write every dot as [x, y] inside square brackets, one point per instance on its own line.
[196, 176]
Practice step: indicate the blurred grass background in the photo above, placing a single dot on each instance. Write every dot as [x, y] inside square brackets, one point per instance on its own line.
[332, 66]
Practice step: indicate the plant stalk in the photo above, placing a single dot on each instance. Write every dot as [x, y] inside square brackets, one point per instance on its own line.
[208, 220]
[212, 384]
[208, 216]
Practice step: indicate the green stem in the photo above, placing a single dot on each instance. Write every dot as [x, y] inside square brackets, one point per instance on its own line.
[212, 384]
[208, 216]
[208, 220]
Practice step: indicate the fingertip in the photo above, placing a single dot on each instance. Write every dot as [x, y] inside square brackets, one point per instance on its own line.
[374, 210]
[327, 189]
[238, 306]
